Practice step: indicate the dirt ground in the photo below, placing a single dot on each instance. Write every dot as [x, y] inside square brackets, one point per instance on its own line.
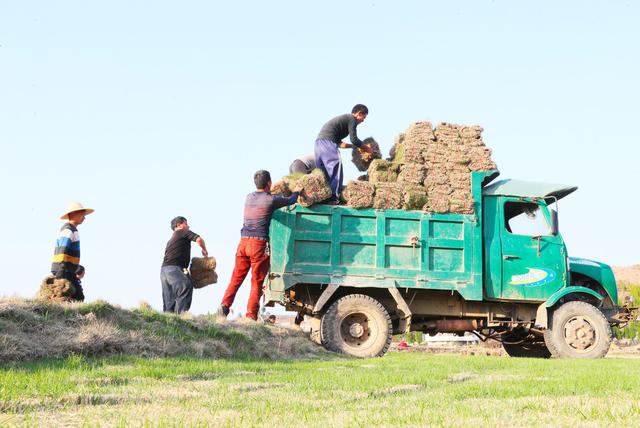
[627, 273]
[619, 349]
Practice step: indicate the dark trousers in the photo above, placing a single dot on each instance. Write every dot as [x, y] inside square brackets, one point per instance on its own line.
[177, 289]
[251, 254]
[71, 276]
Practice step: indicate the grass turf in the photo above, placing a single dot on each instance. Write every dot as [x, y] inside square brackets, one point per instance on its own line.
[399, 389]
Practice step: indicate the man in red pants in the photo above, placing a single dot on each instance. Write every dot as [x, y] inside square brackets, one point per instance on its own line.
[253, 250]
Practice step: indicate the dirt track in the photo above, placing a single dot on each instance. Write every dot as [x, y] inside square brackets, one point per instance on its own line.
[617, 350]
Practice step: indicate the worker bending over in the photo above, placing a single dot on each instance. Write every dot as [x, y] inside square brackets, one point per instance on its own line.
[330, 138]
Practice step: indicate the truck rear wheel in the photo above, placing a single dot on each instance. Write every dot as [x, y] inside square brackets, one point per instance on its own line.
[578, 330]
[357, 325]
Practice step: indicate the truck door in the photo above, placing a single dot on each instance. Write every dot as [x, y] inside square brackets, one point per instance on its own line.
[533, 260]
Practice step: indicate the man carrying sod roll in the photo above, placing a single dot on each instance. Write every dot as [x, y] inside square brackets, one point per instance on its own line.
[177, 287]
[328, 141]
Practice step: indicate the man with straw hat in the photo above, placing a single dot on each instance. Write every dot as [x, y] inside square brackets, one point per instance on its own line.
[66, 256]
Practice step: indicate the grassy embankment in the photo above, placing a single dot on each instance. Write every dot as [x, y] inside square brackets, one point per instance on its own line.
[399, 389]
[31, 330]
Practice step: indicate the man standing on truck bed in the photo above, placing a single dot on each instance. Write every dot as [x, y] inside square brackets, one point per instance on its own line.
[328, 141]
[177, 288]
[253, 250]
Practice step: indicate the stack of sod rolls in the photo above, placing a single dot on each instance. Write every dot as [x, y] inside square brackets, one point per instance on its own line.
[203, 271]
[428, 169]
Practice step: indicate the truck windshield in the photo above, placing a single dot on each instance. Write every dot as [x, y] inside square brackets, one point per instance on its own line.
[525, 218]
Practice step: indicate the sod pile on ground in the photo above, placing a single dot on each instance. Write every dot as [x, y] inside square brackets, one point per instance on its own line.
[31, 330]
[362, 159]
[59, 290]
[428, 169]
[203, 271]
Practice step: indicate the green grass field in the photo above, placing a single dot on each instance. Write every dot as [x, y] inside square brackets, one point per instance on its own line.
[409, 389]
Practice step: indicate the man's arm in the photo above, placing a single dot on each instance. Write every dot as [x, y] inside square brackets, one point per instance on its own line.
[279, 202]
[200, 242]
[353, 134]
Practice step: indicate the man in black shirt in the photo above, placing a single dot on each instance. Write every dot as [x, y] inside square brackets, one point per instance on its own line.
[330, 138]
[177, 288]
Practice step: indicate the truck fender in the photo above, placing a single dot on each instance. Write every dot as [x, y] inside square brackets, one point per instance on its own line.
[542, 318]
[324, 297]
[405, 321]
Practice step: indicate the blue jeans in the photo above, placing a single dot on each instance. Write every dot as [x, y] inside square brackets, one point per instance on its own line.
[177, 289]
[328, 160]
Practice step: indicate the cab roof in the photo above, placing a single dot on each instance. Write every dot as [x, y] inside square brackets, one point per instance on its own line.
[528, 189]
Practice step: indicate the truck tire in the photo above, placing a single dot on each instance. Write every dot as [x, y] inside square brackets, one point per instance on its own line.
[578, 330]
[357, 325]
[530, 347]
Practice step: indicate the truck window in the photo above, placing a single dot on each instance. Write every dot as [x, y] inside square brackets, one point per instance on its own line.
[525, 218]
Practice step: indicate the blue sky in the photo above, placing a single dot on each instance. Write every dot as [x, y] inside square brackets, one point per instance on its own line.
[148, 110]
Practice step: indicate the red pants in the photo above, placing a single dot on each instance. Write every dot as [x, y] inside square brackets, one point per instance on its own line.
[252, 254]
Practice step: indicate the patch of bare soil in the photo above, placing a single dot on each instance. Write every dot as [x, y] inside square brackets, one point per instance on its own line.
[620, 348]
[449, 349]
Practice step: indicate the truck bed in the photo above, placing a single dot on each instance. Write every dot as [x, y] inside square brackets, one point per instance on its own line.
[338, 245]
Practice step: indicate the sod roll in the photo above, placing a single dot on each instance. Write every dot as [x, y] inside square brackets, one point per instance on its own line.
[315, 188]
[60, 289]
[362, 159]
[359, 194]
[202, 271]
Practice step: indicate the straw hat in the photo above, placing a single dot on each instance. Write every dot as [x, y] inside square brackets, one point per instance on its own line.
[73, 207]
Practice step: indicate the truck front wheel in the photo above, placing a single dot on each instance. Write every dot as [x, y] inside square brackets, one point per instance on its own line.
[357, 325]
[578, 330]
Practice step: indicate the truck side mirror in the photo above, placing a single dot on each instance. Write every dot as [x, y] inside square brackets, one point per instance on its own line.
[554, 222]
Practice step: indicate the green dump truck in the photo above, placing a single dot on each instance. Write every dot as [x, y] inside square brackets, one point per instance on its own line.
[362, 275]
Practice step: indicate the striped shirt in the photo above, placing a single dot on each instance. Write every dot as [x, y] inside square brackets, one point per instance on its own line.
[257, 212]
[66, 256]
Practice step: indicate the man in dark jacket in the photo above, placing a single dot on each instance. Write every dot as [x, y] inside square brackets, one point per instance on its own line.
[177, 288]
[328, 141]
[253, 250]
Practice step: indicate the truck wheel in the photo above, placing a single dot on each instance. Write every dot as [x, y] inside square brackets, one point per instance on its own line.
[531, 346]
[357, 325]
[578, 330]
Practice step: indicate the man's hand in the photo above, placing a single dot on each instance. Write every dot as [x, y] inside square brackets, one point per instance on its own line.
[345, 145]
[366, 149]
[205, 253]
[298, 188]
